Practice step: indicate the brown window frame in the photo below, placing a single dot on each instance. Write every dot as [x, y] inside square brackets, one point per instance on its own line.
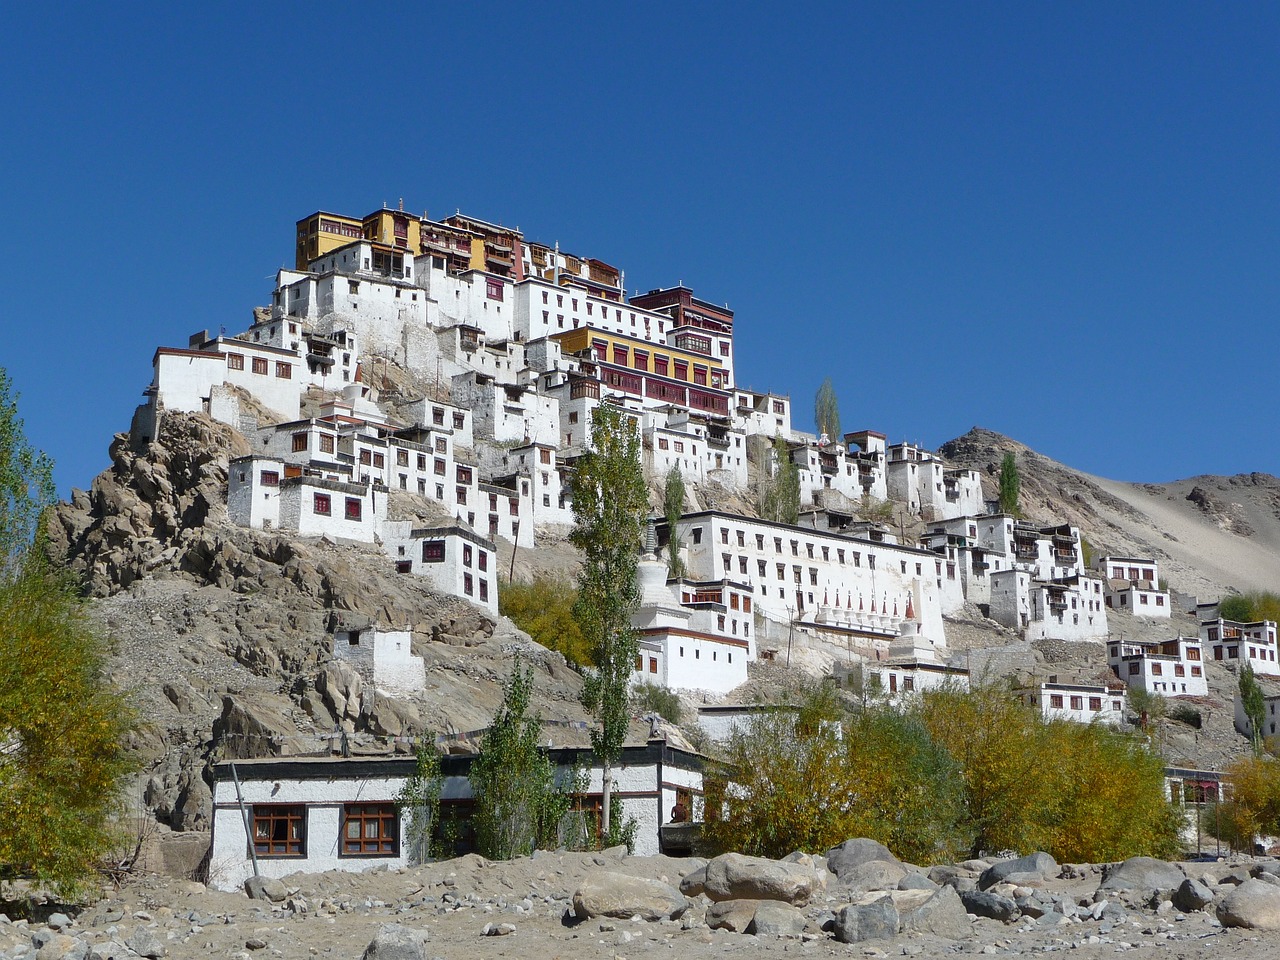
[268, 818]
[385, 842]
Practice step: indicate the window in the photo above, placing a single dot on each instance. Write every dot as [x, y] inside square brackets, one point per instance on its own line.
[379, 460]
[466, 555]
[279, 830]
[235, 361]
[422, 461]
[321, 505]
[433, 551]
[260, 366]
[353, 508]
[402, 458]
[1055, 701]
[439, 467]
[370, 830]
[299, 442]
[270, 478]
[284, 371]
[437, 416]
[493, 290]
[366, 457]
[326, 443]
[1077, 703]
[653, 664]
[468, 585]
[482, 560]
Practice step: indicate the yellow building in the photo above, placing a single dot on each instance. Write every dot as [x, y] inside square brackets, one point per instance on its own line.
[395, 228]
[322, 232]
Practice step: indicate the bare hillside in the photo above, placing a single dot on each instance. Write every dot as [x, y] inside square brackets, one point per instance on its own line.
[1210, 534]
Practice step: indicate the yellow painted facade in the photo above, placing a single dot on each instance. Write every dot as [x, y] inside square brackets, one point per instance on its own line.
[584, 338]
[322, 232]
[477, 253]
[380, 227]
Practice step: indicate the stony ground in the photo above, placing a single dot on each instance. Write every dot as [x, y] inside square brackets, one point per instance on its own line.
[471, 907]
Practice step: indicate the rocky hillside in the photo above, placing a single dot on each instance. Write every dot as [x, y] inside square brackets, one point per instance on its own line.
[1210, 534]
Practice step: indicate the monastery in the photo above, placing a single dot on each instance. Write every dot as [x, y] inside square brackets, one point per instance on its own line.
[519, 342]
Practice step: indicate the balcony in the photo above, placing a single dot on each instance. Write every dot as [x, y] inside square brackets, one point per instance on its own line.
[693, 343]
[718, 440]
[589, 389]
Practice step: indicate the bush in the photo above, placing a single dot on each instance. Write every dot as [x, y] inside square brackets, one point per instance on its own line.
[1184, 713]
[544, 610]
[651, 698]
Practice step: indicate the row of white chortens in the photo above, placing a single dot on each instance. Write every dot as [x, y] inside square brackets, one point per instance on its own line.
[517, 343]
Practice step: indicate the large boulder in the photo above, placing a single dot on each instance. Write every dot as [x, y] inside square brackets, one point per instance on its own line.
[1192, 895]
[265, 888]
[854, 853]
[694, 883]
[1141, 875]
[984, 903]
[942, 915]
[1254, 905]
[393, 941]
[1030, 870]
[607, 894]
[731, 876]
[775, 919]
[873, 875]
[734, 915]
[877, 920]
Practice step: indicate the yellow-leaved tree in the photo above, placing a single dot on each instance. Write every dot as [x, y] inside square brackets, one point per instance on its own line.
[62, 724]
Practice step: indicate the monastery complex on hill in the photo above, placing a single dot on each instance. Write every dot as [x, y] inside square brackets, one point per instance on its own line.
[519, 342]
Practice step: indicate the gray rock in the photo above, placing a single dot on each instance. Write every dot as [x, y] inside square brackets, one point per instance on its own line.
[872, 875]
[916, 881]
[265, 888]
[498, 929]
[1271, 867]
[394, 941]
[943, 873]
[776, 919]
[734, 915]
[853, 853]
[63, 947]
[1035, 867]
[1027, 906]
[694, 883]
[606, 894]
[1270, 878]
[731, 876]
[867, 921]
[1254, 905]
[1142, 875]
[1192, 895]
[59, 921]
[942, 915]
[983, 903]
[144, 943]
[1236, 876]
[255, 943]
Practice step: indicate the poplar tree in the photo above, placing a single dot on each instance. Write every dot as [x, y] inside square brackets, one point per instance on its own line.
[1010, 485]
[1254, 703]
[673, 509]
[826, 411]
[62, 725]
[610, 504]
[780, 494]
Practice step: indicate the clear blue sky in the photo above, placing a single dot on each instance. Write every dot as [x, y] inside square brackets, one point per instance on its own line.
[1058, 221]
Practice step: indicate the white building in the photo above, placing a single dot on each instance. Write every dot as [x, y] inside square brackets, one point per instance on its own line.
[1133, 585]
[693, 635]
[456, 560]
[383, 658]
[1233, 640]
[929, 487]
[311, 814]
[1079, 702]
[1270, 713]
[1171, 668]
[915, 664]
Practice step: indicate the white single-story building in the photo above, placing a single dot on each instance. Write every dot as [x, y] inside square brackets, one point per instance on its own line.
[1172, 668]
[309, 814]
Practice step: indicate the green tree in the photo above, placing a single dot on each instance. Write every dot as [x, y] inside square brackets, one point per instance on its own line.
[780, 494]
[1010, 485]
[651, 698]
[62, 725]
[673, 510]
[1255, 707]
[1149, 707]
[544, 610]
[420, 799]
[610, 504]
[1250, 606]
[826, 411]
[518, 806]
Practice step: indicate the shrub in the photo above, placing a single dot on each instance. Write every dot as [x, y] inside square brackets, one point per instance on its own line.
[651, 698]
[544, 610]
[1184, 713]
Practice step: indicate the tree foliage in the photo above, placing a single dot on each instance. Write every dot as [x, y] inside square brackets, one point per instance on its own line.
[544, 610]
[673, 510]
[610, 503]
[1255, 799]
[780, 494]
[826, 411]
[947, 772]
[1253, 702]
[62, 724]
[1251, 606]
[420, 799]
[518, 806]
[651, 698]
[1010, 485]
